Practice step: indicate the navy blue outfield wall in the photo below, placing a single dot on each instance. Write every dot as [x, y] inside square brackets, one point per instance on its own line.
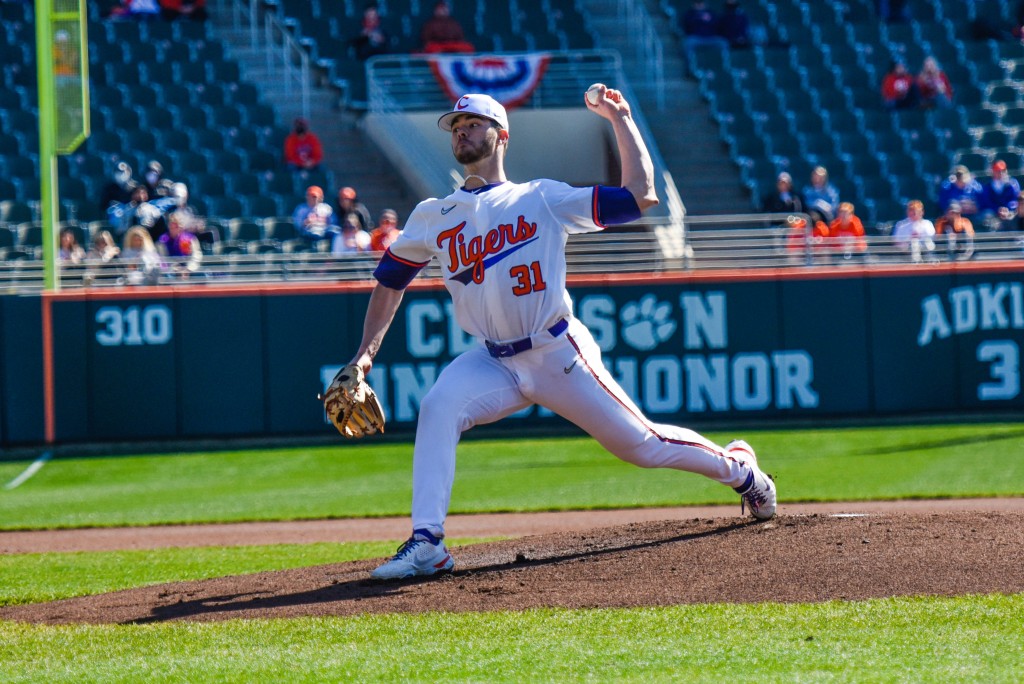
[184, 363]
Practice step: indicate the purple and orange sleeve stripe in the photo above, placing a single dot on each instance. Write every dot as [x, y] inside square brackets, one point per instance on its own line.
[614, 206]
[395, 272]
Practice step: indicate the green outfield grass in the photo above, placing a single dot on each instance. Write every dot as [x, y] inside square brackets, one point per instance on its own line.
[373, 479]
[970, 639]
[962, 639]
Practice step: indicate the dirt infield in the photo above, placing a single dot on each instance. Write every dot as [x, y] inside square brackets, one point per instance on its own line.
[799, 556]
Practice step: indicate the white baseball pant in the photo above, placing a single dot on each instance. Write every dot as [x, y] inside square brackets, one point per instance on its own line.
[564, 374]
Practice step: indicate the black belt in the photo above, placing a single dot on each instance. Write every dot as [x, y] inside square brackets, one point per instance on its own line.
[500, 351]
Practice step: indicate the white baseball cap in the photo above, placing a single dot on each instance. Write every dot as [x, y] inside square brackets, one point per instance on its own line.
[478, 105]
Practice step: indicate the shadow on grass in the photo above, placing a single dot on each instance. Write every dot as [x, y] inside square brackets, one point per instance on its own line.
[943, 443]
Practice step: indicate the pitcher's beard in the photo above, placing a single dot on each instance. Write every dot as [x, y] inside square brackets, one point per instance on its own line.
[471, 155]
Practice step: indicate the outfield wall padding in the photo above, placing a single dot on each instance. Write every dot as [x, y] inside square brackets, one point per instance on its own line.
[189, 363]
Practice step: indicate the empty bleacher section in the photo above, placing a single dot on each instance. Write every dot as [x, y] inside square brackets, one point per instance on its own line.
[810, 93]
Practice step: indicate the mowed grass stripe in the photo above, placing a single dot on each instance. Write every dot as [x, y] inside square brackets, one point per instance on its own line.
[969, 639]
[355, 479]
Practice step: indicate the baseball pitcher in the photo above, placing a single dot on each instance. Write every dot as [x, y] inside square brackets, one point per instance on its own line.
[501, 247]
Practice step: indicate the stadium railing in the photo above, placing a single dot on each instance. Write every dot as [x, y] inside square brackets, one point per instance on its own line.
[740, 242]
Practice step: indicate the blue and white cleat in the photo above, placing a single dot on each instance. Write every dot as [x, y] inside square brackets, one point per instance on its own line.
[758, 490]
[420, 555]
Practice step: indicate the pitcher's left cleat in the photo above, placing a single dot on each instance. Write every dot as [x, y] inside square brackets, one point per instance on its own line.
[422, 554]
[758, 490]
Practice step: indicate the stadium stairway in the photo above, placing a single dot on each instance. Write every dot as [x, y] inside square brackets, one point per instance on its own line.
[350, 157]
[687, 136]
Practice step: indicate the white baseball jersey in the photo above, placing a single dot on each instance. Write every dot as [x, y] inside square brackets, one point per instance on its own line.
[502, 252]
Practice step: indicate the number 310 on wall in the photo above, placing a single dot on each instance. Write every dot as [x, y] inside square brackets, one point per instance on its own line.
[133, 325]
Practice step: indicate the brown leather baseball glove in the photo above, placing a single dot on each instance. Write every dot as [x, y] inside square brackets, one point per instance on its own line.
[352, 405]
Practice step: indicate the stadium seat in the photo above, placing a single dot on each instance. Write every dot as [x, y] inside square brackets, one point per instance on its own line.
[14, 212]
[207, 184]
[244, 230]
[224, 207]
[258, 161]
[260, 206]
[225, 161]
[280, 228]
[30, 234]
[8, 191]
[242, 184]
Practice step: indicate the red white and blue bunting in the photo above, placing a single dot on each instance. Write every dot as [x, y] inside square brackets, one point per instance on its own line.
[509, 79]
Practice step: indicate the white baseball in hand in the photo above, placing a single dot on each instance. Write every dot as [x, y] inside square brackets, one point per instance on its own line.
[594, 93]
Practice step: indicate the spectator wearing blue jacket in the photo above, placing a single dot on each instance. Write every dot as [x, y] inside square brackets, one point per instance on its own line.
[963, 188]
[1000, 198]
[821, 198]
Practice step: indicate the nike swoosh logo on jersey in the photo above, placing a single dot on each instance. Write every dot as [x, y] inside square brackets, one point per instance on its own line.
[569, 369]
[467, 275]
[444, 211]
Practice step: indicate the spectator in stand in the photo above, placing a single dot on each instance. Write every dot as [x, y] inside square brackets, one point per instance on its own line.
[821, 199]
[181, 244]
[999, 198]
[734, 25]
[302, 148]
[119, 189]
[846, 232]
[784, 199]
[156, 184]
[183, 9]
[933, 86]
[893, 11]
[386, 231]
[352, 238]
[372, 39]
[140, 257]
[958, 231]
[1018, 221]
[443, 33]
[136, 9]
[103, 249]
[961, 187]
[349, 204]
[70, 251]
[915, 234]
[801, 239]
[700, 27]
[899, 88]
[139, 210]
[312, 218]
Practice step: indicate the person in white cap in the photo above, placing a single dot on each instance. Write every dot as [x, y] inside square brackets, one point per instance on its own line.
[501, 248]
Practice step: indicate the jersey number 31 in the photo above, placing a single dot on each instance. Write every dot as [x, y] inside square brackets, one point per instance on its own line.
[529, 279]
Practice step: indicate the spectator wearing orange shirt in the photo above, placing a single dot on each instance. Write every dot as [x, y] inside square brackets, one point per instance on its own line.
[302, 148]
[958, 232]
[847, 232]
[385, 232]
[443, 32]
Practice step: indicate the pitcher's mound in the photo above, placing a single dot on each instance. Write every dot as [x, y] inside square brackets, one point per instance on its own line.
[791, 558]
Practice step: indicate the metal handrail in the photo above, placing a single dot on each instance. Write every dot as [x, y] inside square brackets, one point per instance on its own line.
[648, 50]
[287, 60]
[717, 242]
